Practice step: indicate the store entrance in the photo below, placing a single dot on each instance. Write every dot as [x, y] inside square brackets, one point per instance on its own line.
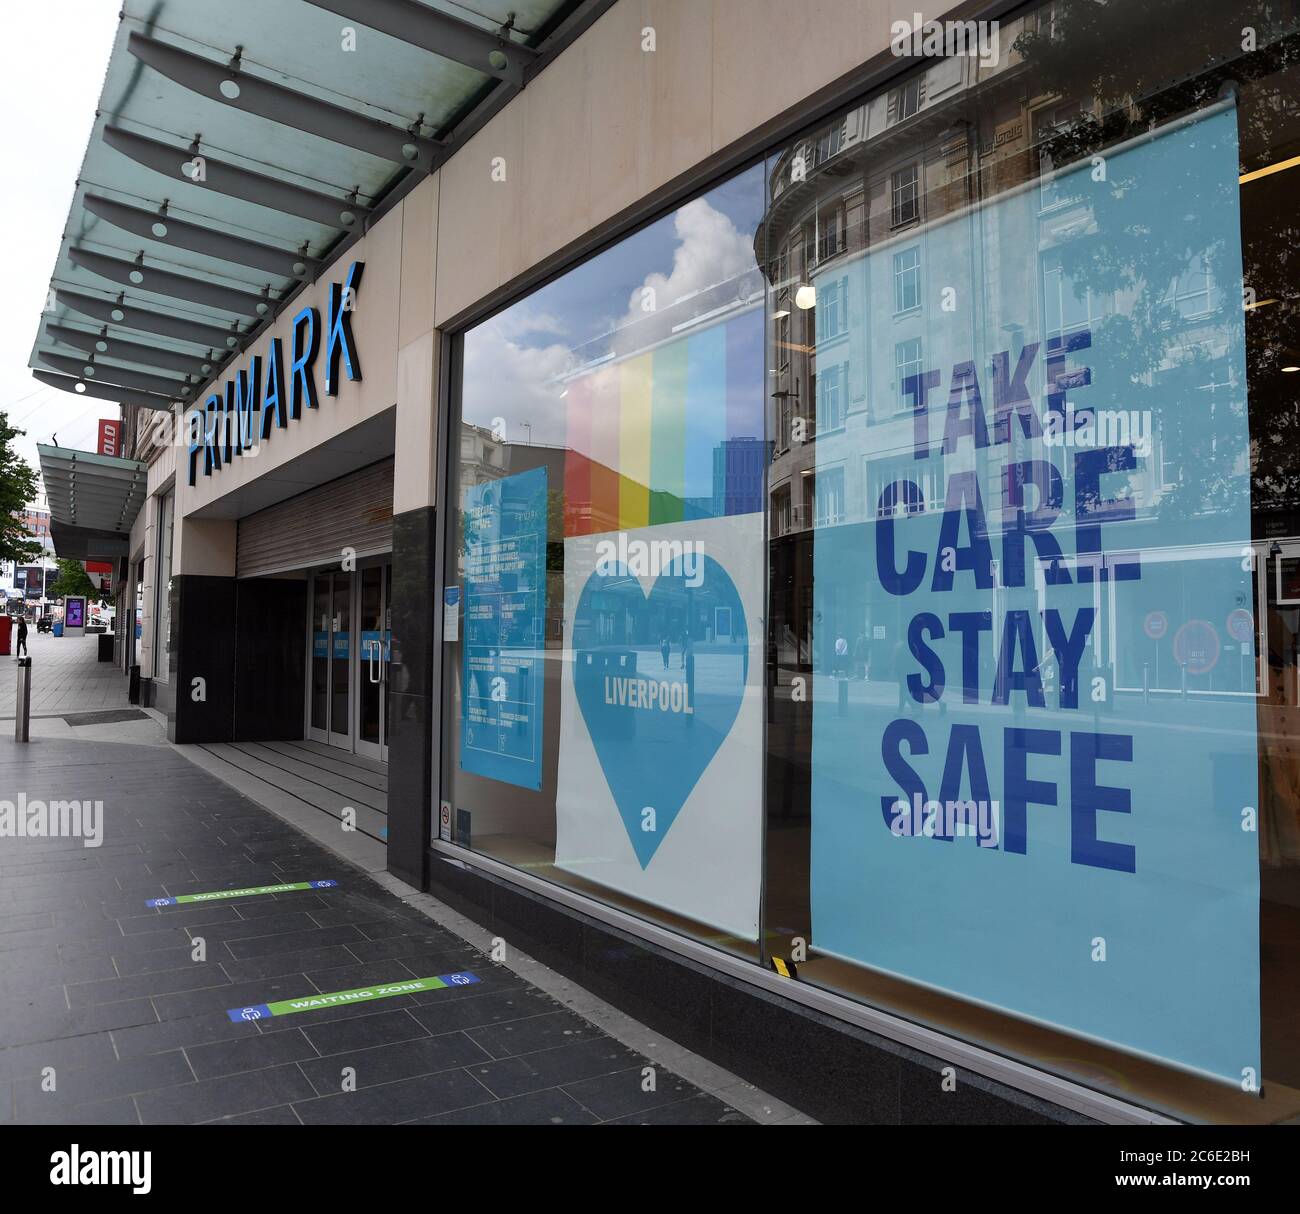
[347, 693]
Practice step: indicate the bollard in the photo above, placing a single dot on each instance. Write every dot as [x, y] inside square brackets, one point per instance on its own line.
[23, 703]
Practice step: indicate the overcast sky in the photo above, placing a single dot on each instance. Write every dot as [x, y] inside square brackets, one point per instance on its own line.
[52, 61]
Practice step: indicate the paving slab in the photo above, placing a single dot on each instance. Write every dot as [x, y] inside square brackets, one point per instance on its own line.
[130, 1004]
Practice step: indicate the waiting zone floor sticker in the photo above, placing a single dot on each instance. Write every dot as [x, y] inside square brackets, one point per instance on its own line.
[251, 891]
[314, 1003]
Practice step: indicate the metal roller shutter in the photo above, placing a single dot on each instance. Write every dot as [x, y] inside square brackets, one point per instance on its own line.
[355, 511]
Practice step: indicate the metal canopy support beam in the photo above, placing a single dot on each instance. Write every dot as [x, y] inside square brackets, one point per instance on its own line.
[178, 164]
[181, 234]
[119, 377]
[441, 33]
[98, 391]
[230, 85]
[91, 497]
[94, 482]
[129, 351]
[130, 317]
[163, 282]
[89, 493]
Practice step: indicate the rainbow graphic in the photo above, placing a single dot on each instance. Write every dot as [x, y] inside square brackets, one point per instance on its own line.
[671, 434]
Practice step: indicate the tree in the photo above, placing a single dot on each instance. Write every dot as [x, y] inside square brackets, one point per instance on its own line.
[72, 579]
[1136, 66]
[17, 488]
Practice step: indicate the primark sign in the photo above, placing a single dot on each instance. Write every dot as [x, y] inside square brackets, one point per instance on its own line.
[267, 394]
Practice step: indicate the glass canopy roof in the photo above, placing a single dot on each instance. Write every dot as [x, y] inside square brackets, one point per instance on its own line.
[235, 146]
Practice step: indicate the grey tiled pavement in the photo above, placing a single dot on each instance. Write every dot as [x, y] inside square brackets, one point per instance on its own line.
[108, 994]
[66, 676]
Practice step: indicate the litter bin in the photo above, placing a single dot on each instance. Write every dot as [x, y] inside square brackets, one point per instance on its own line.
[6, 629]
[58, 628]
[105, 646]
[133, 685]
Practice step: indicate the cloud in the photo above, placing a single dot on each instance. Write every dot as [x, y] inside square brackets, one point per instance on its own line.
[505, 378]
[507, 374]
[710, 250]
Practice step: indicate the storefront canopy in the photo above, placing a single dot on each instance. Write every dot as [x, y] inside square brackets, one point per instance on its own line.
[239, 146]
[93, 500]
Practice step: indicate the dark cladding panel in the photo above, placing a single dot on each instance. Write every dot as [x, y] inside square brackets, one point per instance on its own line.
[270, 658]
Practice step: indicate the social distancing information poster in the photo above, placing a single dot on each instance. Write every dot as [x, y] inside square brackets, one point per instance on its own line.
[505, 614]
[1038, 792]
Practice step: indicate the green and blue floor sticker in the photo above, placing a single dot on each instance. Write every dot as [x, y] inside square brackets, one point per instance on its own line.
[217, 894]
[315, 1003]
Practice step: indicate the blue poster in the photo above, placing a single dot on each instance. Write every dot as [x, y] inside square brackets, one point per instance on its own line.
[1035, 775]
[505, 614]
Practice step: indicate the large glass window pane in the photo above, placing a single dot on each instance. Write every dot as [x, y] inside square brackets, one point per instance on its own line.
[607, 669]
[1030, 581]
[1035, 640]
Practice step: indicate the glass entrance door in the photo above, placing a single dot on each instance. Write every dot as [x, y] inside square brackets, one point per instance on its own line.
[373, 658]
[351, 643]
[318, 703]
[330, 692]
[341, 649]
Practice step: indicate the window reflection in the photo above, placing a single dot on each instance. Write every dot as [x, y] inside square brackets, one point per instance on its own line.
[1065, 233]
[612, 507]
[994, 362]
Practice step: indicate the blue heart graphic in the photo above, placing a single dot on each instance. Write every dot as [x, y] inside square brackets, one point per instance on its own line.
[651, 749]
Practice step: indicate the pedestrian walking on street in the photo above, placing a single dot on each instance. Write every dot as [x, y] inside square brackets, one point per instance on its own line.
[21, 649]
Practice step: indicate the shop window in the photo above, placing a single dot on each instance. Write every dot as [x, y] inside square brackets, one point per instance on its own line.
[781, 518]
[907, 279]
[1104, 302]
[830, 142]
[906, 101]
[1191, 293]
[829, 497]
[1038, 601]
[830, 241]
[606, 750]
[907, 366]
[832, 397]
[1069, 306]
[832, 308]
[905, 204]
